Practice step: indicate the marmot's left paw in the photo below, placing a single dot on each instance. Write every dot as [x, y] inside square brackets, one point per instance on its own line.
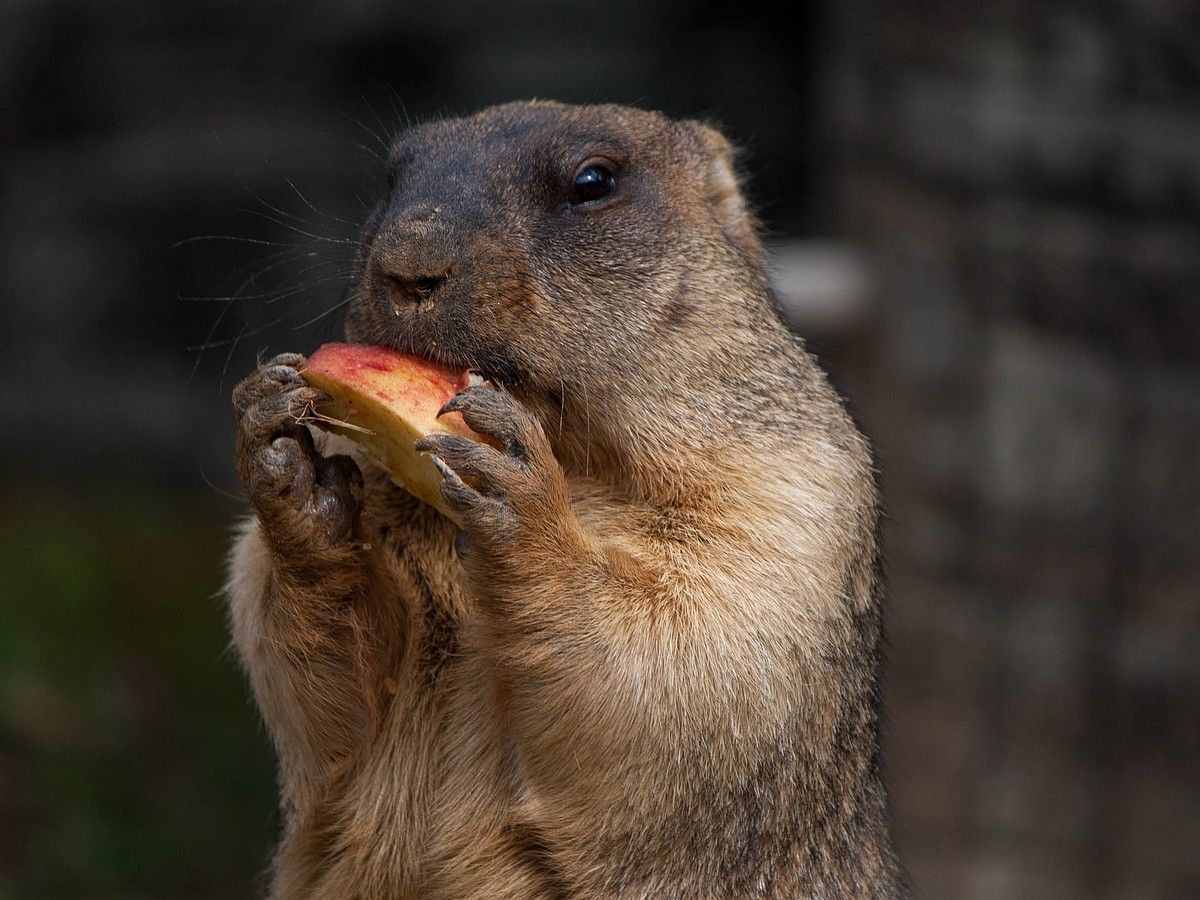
[306, 503]
[510, 491]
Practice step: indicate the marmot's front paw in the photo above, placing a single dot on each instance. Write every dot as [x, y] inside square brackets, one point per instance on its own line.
[520, 489]
[305, 501]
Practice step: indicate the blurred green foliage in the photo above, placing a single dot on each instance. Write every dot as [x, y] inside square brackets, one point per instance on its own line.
[132, 761]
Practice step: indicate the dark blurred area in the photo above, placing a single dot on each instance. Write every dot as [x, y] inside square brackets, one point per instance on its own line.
[985, 217]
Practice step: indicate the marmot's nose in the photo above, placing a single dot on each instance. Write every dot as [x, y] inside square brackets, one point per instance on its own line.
[414, 258]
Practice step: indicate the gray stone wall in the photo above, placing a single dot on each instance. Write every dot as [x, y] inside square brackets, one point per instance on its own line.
[1025, 180]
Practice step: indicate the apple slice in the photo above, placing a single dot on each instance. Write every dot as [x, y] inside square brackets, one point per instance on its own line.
[386, 401]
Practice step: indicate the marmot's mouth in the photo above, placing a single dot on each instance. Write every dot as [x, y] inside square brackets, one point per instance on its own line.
[430, 352]
[497, 370]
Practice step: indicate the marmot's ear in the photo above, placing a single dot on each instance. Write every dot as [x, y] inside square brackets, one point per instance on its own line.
[724, 188]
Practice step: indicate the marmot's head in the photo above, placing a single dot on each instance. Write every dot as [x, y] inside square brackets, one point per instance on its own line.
[575, 254]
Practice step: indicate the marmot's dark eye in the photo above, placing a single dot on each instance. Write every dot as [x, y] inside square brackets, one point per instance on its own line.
[593, 182]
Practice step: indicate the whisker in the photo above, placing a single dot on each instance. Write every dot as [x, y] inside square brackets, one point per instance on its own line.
[284, 214]
[374, 136]
[286, 293]
[383, 129]
[306, 202]
[339, 275]
[272, 263]
[232, 238]
[345, 301]
[401, 113]
[243, 333]
[359, 145]
[296, 228]
[562, 404]
[587, 425]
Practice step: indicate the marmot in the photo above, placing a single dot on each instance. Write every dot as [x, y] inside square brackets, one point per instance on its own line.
[648, 665]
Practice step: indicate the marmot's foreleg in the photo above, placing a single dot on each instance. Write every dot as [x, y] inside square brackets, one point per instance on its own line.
[300, 592]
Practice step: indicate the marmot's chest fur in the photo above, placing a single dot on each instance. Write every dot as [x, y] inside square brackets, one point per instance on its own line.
[647, 667]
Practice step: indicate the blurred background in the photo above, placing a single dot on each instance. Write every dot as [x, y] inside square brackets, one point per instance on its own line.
[985, 217]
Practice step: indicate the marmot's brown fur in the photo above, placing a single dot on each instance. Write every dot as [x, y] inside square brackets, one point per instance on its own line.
[648, 667]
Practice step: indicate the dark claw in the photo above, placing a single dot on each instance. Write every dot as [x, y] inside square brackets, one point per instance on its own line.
[493, 412]
[433, 443]
[284, 374]
[462, 456]
[488, 411]
[289, 360]
[456, 492]
[448, 473]
[477, 511]
[454, 404]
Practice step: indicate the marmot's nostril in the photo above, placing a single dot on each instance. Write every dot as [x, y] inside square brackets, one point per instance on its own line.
[416, 289]
[427, 285]
[405, 288]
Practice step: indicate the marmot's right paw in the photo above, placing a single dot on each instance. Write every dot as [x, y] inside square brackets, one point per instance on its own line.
[306, 502]
[518, 491]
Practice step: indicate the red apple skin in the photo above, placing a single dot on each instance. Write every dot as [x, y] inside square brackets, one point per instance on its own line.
[406, 384]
